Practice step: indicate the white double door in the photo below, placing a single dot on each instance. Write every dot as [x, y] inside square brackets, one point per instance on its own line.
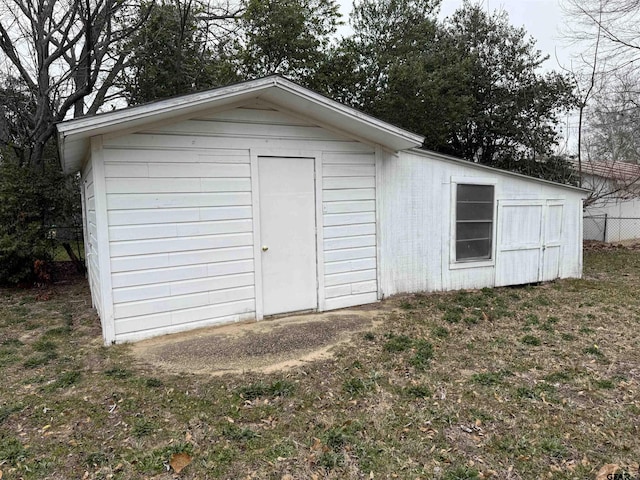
[287, 215]
[529, 245]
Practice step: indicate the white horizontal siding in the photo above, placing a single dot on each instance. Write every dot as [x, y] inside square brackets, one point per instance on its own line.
[91, 245]
[136, 216]
[349, 254]
[184, 287]
[331, 183]
[349, 204]
[142, 156]
[181, 232]
[350, 230]
[185, 143]
[178, 185]
[176, 259]
[349, 242]
[350, 207]
[349, 218]
[135, 335]
[199, 170]
[350, 265]
[349, 170]
[231, 129]
[140, 232]
[144, 277]
[351, 300]
[179, 200]
[182, 317]
[349, 277]
[254, 115]
[179, 204]
[155, 306]
[178, 244]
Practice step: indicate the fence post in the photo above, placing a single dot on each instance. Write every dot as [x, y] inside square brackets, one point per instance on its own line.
[604, 239]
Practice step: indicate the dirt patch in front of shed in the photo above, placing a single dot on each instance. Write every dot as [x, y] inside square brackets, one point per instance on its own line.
[265, 346]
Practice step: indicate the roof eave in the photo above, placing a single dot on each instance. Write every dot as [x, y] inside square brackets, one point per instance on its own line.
[312, 104]
[464, 162]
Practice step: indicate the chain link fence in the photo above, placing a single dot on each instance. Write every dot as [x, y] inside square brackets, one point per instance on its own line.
[64, 239]
[605, 228]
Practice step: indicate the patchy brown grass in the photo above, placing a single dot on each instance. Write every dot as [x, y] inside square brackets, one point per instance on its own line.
[533, 382]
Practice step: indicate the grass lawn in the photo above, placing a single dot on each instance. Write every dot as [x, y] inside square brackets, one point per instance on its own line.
[512, 383]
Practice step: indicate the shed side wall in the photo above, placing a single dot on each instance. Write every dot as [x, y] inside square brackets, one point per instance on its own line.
[91, 239]
[416, 223]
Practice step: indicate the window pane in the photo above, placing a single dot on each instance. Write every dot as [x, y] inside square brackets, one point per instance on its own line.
[471, 231]
[467, 249]
[474, 211]
[475, 193]
[474, 221]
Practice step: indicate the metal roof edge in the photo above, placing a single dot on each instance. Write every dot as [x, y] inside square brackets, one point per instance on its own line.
[105, 119]
[467, 163]
[341, 108]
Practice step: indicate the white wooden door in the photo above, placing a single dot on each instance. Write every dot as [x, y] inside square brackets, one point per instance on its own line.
[287, 234]
[519, 246]
[529, 241]
[552, 244]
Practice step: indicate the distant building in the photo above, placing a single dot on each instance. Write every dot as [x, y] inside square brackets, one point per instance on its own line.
[612, 213]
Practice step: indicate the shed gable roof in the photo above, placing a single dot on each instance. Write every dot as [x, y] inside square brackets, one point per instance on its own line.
[74, 135]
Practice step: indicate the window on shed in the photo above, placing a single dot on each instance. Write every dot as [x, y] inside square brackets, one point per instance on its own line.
[474, 222]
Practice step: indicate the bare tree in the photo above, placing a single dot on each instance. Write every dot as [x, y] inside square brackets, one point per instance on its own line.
[606, 72]
[62, 54]
[66, 55]
[611, 146]
[615, 20]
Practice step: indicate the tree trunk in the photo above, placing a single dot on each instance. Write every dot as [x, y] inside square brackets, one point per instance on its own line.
[79, 264]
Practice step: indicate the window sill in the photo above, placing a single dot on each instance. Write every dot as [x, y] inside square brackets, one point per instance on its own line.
[472, 264]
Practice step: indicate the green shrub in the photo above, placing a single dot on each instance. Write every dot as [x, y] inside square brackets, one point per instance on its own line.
[32, 201]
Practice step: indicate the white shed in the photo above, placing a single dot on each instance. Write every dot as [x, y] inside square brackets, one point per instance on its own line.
[264, 198]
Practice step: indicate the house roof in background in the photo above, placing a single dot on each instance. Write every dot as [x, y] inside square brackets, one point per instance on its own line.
[622, 171]
[74, 136]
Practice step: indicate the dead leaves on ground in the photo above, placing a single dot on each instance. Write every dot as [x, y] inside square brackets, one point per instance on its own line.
[607, 471]
[179, 461]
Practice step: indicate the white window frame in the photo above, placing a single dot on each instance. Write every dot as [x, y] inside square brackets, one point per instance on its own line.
[455, 264]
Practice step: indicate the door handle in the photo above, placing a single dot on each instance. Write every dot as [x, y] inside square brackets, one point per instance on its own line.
[265, 248]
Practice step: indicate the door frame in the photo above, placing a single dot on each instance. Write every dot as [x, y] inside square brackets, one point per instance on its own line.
[255, 153]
